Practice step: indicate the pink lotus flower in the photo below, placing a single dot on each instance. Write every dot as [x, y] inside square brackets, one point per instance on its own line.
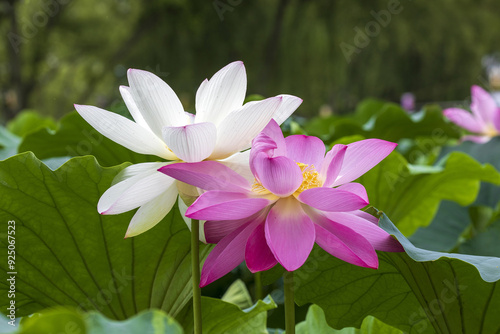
[299, 197]
[484, 121]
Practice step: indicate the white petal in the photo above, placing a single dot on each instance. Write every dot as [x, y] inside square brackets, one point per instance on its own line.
[236, 132]
[183, 208]
[288, 105]
[189, 118]
[240, 163]
[158, 103]
[152, 212]
[124, 132]
[137, 169]
[132, 107]
[200, 99]
[223, 93]
[133, 192]
[191, 143]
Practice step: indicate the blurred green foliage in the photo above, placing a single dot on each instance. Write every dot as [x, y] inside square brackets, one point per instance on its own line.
[58, 52]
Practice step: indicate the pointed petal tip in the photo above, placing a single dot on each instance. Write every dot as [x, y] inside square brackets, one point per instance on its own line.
[133, 71]
[288, 96]
[189, 212]
[102, 211]
[130, 234]
[477, 89]
[237, 63]
[252, 270]
[371, 267]
[291, 268]
[204, 279]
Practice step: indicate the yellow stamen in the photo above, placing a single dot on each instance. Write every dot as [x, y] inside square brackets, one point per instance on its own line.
[259, 188]
[310, 178]
[491, 131]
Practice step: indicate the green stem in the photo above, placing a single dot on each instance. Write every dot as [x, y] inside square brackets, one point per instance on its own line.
[195, 263]
[289, 303]
[259, 293]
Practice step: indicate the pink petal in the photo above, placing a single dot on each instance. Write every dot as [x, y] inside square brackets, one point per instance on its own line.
[289, 233]
[332, 199]
[365, 216]
[347, 245]
[258, 256]
[279, 175]
[224, 205]
[362, 156]
[483, 105]
[240, 163]
[216, 230]
[207, 175]
[355, 188]
[464, 119]
[380, 239]
[192, 142]
[476, 139]
[270, 142]
[228, 254]
[496, 120]
[332, 164]
[305, 149]
[273, 131]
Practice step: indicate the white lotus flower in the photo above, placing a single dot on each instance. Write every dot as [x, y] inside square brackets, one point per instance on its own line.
[221, 128]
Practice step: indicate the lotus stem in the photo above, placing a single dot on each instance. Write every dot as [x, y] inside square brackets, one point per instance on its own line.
[289, 303]
[195, 262]
[259, 293]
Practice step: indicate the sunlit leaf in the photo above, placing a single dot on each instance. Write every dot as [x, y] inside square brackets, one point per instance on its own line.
[316, 323]
[29, 121]
[223, 317]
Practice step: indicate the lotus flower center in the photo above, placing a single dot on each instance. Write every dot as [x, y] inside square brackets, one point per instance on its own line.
[259, 188]
[310, 177]
[491, 131]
